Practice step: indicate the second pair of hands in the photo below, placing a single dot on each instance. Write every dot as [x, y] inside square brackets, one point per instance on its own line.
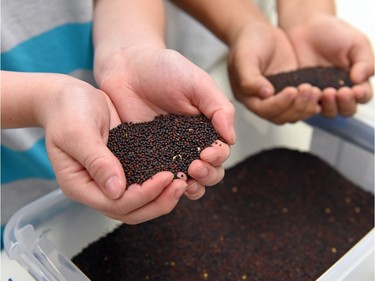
[322, 40]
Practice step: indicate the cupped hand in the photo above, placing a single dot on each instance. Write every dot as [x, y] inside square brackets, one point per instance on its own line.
[77, 118]
[325, 40]
[260, 50]
[145, 82]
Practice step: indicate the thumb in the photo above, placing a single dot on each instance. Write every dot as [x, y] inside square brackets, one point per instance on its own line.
[102, 165]
[247, 80]
[261, 86]
[216, 107]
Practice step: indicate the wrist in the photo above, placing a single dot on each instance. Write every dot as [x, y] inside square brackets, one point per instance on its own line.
[224, 18]
[114, 59]
[249, 21]
[114, 33]
[292, 13]
[23, 97]
[50, 93]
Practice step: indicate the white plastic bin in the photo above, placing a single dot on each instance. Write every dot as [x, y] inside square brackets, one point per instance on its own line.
[44, 236]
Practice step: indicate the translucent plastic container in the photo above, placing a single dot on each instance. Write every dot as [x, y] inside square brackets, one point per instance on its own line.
[44, 236]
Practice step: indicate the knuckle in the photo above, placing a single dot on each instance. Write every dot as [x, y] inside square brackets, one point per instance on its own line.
[95, 164]
[165, 210]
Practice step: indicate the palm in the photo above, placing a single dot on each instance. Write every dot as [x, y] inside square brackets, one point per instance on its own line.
[145, 82]
[324, 41]
[157, 82]
[327, 41]
[260, 52]
[266, 50]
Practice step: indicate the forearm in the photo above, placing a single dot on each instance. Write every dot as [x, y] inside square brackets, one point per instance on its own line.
[222, 17]
[292, 12]
[20, 92]
[30, 99]
[120, 24]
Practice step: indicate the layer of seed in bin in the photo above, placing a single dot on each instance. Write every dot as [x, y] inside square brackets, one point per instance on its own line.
[321, 77]
[167, 143]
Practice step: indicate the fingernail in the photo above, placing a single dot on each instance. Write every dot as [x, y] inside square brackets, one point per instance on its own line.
[265, 92]
[360, 95]
[233, 135]
[112, 187]
[178, 193]
[202, 173]
[193, 188]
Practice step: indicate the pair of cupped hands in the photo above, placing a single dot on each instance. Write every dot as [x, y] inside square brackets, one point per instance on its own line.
[142, 82]
[79, 117]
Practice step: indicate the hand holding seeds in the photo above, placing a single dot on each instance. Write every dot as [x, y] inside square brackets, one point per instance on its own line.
[167, 143]
[322, 39]
[162, 82]
[262, 49]
[306, 36]
[77, 118]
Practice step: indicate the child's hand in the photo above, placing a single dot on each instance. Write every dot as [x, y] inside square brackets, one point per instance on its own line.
[77, 118]
[325, 40]
[146, 82]
[260, 50]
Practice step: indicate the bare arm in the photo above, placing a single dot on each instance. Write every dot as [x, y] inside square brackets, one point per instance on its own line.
[19, 93]
[291, 12]
[224, 18]
[121, 24]
[320, 38]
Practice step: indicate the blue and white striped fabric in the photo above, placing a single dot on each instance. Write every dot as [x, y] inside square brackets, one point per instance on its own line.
[39, 36]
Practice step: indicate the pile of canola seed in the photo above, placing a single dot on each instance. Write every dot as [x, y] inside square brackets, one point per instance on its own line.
[167, 143]
[279, 215]
[321, 77]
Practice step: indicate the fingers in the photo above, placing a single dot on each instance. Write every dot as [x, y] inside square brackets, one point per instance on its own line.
[155, 197]
[346, 102]
[342, 101]
[274, 106]
[247, 80]
[362, 56]
[195, 190]
[99, 161]
[106, 171]
[305, 105]
[362, 92]
[223, 122]
[216, 154]
[215, 106]
[205, 173]
[328, 102]
[208, 170]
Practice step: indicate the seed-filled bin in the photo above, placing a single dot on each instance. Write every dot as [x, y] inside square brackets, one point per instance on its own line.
[47, 235]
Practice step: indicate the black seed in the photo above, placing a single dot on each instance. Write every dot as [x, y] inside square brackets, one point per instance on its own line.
[167, 143]
[321, 77]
